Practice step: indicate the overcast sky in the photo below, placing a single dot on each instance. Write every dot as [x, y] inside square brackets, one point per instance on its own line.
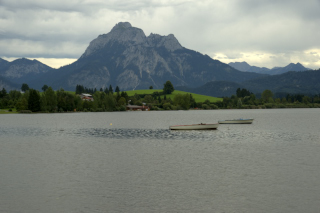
[263, 33]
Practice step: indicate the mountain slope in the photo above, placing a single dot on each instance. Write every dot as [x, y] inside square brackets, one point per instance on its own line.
[4, 83]
[23, 70]
[214, 88]
[293, 82]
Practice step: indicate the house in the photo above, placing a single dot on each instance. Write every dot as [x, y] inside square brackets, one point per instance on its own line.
[137, 108]
[86, 97]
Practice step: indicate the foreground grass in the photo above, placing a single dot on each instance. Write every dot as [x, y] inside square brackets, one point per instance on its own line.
[6, 111]
[197, 97]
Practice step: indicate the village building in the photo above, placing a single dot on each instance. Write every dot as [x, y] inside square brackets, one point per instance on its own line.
[86, 97]
[137, 108]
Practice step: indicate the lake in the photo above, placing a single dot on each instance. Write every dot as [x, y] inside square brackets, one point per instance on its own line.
[132, 162]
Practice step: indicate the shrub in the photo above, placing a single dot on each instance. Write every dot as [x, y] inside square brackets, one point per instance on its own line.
[205, 106]
[122, 108]
[25, 111]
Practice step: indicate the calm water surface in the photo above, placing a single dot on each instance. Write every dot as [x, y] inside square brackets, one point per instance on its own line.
[132, 162]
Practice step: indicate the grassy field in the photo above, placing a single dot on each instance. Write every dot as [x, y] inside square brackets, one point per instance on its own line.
[6, 111]
[197, 97]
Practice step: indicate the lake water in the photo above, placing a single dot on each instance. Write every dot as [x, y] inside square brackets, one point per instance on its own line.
[132, 162]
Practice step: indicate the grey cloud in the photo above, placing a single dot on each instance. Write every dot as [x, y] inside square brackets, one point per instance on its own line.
[210, 27]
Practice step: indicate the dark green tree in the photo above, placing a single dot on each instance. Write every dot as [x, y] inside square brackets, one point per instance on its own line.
[3, 92]
[44, 88]
[241, 93]
[24, 87]
[117, 89]
[110, 103]
[61, 100]
[182, 100]
[110, 89]
[79, 89]
[266, 95]
[49, 100]
[22, 104]
[168, 88]
[125, 95]
[151, 87]
[34, 100]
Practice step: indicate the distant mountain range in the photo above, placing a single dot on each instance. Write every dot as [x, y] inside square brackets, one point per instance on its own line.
[127, 58]
[307, 82]
[245, 67]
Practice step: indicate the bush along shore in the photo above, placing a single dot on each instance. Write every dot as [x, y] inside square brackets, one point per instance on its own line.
[50, 101]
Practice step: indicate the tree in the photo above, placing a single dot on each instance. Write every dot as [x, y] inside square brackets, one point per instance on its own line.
[168, 88]
[117, 89]
[34, 100]
[24, 87]
[79, 89]
[266, 95]
[110, 89]
[182, 100]
[106, 90]
[22, 104]
[110, 102]
[151, 87]
[44, 88]
[125, 95]
[241, 93]
[3, 92]
[49, 100]
[122, 101]
[61, 100]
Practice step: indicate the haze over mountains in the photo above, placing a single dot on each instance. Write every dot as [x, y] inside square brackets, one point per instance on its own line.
[127, 58]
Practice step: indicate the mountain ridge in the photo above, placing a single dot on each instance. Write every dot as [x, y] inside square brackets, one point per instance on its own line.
[245, 67]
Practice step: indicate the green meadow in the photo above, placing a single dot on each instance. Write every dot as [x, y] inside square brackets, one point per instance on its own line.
[7, 111]
[197, 97]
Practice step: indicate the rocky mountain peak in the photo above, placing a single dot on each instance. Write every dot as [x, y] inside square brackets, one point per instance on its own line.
[121, 26]
[169, 42]
[122, 32]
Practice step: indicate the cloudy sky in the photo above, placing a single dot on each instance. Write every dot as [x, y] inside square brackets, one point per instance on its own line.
[263, 33]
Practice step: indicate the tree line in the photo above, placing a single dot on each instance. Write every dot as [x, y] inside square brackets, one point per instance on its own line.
[108, 100]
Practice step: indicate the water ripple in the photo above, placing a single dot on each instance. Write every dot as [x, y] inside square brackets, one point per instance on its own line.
[163, 134]
[146, 133]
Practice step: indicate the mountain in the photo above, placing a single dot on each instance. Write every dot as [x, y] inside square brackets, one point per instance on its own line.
[127, 58]
[3, 63]
[22, 70]
[245, 67]
[293, 82]
[289, 67]
[4, 83]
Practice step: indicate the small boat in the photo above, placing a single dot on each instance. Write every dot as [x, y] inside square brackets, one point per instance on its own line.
[237, 121]
[200, 126]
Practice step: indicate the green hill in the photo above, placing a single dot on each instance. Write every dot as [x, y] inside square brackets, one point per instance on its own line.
[197, 97]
